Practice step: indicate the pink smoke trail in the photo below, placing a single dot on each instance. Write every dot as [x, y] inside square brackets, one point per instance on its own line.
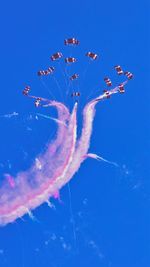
[53, 169]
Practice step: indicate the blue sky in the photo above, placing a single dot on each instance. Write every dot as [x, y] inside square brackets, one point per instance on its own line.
[110, 205]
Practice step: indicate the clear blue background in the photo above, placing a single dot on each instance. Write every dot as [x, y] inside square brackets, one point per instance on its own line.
[110, 205]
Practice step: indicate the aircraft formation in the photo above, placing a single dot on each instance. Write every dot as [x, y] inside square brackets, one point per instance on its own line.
[70, 60]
